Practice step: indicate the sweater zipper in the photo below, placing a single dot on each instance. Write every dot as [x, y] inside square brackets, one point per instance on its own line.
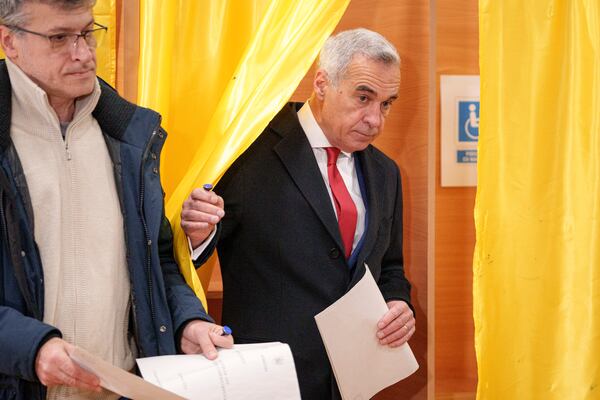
[67, 136]
[146, 231]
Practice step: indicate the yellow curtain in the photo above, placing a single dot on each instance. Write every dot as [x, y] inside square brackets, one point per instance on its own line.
[105, 14]
[218, 72]
[537, 213]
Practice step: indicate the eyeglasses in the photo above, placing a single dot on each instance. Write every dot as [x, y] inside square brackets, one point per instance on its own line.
[61, 41]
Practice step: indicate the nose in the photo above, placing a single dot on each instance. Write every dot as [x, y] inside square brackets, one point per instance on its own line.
[81, 51]
[373, 116]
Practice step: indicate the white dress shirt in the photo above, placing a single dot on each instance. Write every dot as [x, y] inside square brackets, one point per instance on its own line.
[345, 164]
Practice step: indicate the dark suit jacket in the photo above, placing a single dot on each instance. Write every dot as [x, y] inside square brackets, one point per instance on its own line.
[280, 248]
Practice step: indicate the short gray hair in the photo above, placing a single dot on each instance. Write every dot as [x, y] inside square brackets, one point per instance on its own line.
[339, 50]
[11, 11]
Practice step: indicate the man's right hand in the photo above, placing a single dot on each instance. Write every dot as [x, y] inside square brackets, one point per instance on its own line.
[54, 367]
[201, 211]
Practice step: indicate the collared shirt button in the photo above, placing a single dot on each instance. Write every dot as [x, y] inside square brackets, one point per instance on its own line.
[163, 329]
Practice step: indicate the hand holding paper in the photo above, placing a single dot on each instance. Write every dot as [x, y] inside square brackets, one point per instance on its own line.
[118, 381]
[203, 337]
[246, 372]
[53, 366]
[349, 331]
[397, 325]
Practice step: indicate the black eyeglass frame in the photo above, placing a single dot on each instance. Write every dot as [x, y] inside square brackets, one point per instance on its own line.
[53, 38]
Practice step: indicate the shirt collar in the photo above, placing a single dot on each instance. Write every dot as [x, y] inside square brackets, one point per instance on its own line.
[315, 135]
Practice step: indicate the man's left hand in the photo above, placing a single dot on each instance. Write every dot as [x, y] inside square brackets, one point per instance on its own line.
[203, 337]
[397, 325]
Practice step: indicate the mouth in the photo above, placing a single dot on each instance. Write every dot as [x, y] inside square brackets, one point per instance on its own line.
[366, 134]
[79, 74]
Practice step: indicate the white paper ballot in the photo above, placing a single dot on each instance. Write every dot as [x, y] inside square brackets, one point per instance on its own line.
[246, 372]
[348, 327]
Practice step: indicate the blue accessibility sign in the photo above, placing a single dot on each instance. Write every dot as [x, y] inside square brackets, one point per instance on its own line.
[468, 121]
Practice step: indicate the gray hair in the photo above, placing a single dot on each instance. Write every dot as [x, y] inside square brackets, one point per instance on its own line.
[339, 50]
[11, 11]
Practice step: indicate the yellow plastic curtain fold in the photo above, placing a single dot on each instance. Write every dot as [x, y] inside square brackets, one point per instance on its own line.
[537, 213]
[105, 14]
[218, 72]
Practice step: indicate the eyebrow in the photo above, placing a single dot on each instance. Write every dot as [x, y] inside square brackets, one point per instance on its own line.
[365, 88]
[368, 89]
[62, 29]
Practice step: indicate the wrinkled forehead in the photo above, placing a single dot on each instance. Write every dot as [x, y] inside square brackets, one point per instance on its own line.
[373, 76]
[61, 4]
[58, 16]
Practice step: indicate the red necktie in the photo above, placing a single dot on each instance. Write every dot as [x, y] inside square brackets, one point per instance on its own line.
[344, 206]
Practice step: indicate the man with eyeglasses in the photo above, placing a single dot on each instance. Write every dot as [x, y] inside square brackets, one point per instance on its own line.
[86, 252]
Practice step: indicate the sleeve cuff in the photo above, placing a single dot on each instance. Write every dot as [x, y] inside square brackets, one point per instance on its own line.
[197, 252]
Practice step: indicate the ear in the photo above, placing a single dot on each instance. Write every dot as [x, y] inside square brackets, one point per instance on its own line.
[7, 42]
[320, 84]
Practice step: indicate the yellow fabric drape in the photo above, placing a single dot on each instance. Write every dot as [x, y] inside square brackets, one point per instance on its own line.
[105, 14]
[537, 213]
[218, 72]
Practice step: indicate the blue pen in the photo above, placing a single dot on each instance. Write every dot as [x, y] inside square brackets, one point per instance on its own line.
[207, 186]
[226, 331]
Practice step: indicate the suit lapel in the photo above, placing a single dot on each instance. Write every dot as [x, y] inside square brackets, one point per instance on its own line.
[374, 177]
[299, 160]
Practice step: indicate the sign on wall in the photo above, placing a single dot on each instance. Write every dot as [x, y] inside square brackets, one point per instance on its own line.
[460, 129]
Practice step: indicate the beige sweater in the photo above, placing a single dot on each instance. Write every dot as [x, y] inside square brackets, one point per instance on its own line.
[78, 225]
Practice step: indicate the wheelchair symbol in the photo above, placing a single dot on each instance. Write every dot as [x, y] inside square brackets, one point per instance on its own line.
[472, 124]
[468, 121]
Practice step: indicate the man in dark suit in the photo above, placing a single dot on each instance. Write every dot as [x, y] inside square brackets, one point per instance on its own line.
[308, 205]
